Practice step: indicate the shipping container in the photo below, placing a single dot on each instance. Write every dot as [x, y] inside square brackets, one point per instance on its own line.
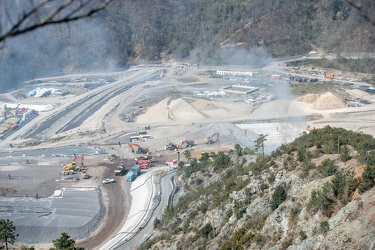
[136, 170]
[129, 176]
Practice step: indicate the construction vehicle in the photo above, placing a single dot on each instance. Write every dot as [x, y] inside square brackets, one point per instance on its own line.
[67, 172]
[171, 146]
[120, 170]
[186, 144]
[212, 138]
[84, 174]
[205, 155]
[143, 163]
[139, 149]
[147, 157]
[72, 167]
[329, 75]
[113, 157]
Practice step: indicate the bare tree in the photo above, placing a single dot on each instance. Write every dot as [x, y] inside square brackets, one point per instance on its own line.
[19, 17]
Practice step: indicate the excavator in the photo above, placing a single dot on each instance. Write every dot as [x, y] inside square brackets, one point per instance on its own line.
[171, 146]
[139, 150]
[72, 166]
[186, 144]
[212, 138]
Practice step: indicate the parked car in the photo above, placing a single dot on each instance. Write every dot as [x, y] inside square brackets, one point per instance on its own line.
[106, 181]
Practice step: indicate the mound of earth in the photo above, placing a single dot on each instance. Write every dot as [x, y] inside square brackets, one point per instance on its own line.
[181, 110]
[328, 101]
[156, 113]
[204, 105]
[309, 98]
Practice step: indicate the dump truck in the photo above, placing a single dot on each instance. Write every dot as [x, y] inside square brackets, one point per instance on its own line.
[119, 170]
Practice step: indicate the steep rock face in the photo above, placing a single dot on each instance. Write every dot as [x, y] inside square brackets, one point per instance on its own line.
[290, 225]
[301, 199]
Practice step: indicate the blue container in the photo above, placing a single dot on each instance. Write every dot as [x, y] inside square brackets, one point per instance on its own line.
[130, 177]
[136, 170]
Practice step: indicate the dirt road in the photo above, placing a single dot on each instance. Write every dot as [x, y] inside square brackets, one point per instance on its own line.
[116, 210]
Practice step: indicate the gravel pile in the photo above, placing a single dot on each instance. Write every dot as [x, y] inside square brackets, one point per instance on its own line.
[309, 98]
[328, 101]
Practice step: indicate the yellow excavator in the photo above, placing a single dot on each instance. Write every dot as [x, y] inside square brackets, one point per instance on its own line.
[72, 166]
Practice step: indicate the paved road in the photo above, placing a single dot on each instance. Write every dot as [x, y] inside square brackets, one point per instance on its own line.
[143, 210]
[165, 186]
[75, 114]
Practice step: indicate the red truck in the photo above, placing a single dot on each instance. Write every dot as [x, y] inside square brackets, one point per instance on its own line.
[143, 163]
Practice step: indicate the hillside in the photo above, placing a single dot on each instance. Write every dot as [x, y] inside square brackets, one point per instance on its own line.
[199, 31]
[236, 32]
[305, 195]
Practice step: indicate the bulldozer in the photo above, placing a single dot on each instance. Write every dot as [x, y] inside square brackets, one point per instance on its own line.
[212, 138]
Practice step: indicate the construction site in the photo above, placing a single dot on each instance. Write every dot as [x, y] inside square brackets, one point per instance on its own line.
[147, 125]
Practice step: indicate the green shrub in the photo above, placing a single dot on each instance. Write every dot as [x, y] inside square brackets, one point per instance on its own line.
[344, 154]
[327, 168]
[321, 199]
[263, 186]
[343, 184]
[324, 227]
[206, 230]
[367, 181]
[278, 197]
[302, 235]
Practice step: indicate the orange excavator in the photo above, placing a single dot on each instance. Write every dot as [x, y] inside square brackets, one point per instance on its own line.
[139, 149]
